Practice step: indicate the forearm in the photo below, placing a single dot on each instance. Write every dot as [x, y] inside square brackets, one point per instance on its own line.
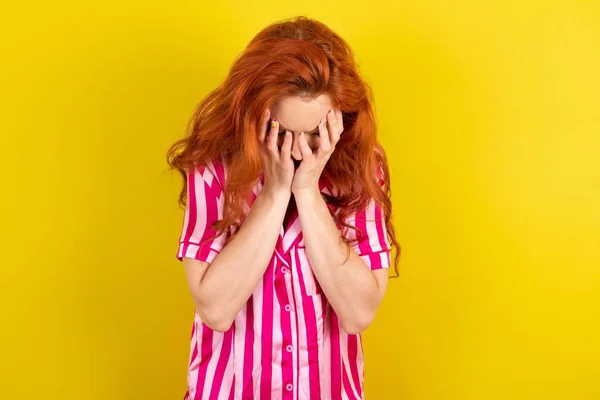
[350, 287]
[237, 269]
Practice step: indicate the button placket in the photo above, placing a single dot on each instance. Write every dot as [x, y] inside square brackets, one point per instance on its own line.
[284, 275]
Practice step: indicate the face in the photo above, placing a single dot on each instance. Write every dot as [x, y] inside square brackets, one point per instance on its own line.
[301, 114]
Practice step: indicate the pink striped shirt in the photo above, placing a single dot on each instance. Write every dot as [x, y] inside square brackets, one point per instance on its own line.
[286, 342]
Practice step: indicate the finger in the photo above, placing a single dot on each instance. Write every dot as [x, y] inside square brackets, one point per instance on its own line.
[334, 126]
[331, 123]
[304, 147]
[325, 144]
[340, 121]
[286, 147]
[335, 133]
[272, 138]
[264, 126]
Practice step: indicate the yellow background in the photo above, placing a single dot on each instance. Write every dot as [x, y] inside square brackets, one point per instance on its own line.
[489, 112]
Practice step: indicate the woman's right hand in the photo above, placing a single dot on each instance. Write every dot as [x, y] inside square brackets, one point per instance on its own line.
[277, 165]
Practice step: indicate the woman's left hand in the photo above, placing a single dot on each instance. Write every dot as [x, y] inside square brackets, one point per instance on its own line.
[306, 177]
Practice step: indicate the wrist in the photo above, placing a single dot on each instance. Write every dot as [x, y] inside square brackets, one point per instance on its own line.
[308, 193]
[276, 194]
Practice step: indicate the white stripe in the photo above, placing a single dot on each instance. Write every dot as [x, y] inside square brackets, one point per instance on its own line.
[186, 219]
[217, 345]
[200, 209]
[346, 364]
[291, 234]
[350, 233]
[360, 365]
[192, 375]
[238, 350]
[310, 282]
[208, 175]
[301, 364]
[374, 243]
[228, 376]
[256, 359]
[318, 301]
[191, 251]
[384, 259]
[325, 365]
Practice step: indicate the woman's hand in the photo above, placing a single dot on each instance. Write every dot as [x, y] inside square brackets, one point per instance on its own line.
[307, 175]
[278, 166]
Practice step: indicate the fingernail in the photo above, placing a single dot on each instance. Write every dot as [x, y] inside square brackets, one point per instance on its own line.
[274, 123]
[331, 112]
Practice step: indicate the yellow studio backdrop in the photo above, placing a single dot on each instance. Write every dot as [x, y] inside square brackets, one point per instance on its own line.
[490, 115]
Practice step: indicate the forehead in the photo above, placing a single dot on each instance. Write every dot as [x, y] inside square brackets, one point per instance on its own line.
[299, 114]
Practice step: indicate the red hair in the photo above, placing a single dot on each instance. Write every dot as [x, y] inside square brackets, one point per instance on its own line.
[295, 57]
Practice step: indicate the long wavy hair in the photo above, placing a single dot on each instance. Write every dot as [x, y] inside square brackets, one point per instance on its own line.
[293, 57]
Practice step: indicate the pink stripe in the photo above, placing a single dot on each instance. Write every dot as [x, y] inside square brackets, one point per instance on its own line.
[258, 297]
[312, 342]
[219, 169]
[353, 359]
[277, 385]
[347, 387]
[361, 223]
[232, 390]
[195, 349]
[299, 272]
[212, 210]
[336, 358]
[379, 225]
[373, 260]
[360, 362]
[248, 384]
[205, 354]
[222, 364]
[267, 334]
[192, 207]
[326, 387]
[192, 375]
[313, 349]
[298, 328]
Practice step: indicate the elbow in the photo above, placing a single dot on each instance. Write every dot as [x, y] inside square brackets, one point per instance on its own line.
[356, 325]
[219, 326]
[214, 319]
[217, 323]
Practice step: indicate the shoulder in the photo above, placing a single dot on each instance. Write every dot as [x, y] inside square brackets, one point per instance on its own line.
[210, 172]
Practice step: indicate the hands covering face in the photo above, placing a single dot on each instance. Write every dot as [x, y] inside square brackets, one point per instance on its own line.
[306, 177]
[278, 160]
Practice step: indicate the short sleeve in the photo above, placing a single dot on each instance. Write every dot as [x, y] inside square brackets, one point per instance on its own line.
[373, 246]
[204, 207]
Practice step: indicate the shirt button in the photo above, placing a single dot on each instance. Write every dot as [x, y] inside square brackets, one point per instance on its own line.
[289, 348]
[284, 270]
[288, 308]
[289, 387]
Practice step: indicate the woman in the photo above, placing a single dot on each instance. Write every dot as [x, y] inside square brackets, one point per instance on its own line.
[287, 230]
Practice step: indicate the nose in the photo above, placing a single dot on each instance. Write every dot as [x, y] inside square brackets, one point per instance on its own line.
[296, 153]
